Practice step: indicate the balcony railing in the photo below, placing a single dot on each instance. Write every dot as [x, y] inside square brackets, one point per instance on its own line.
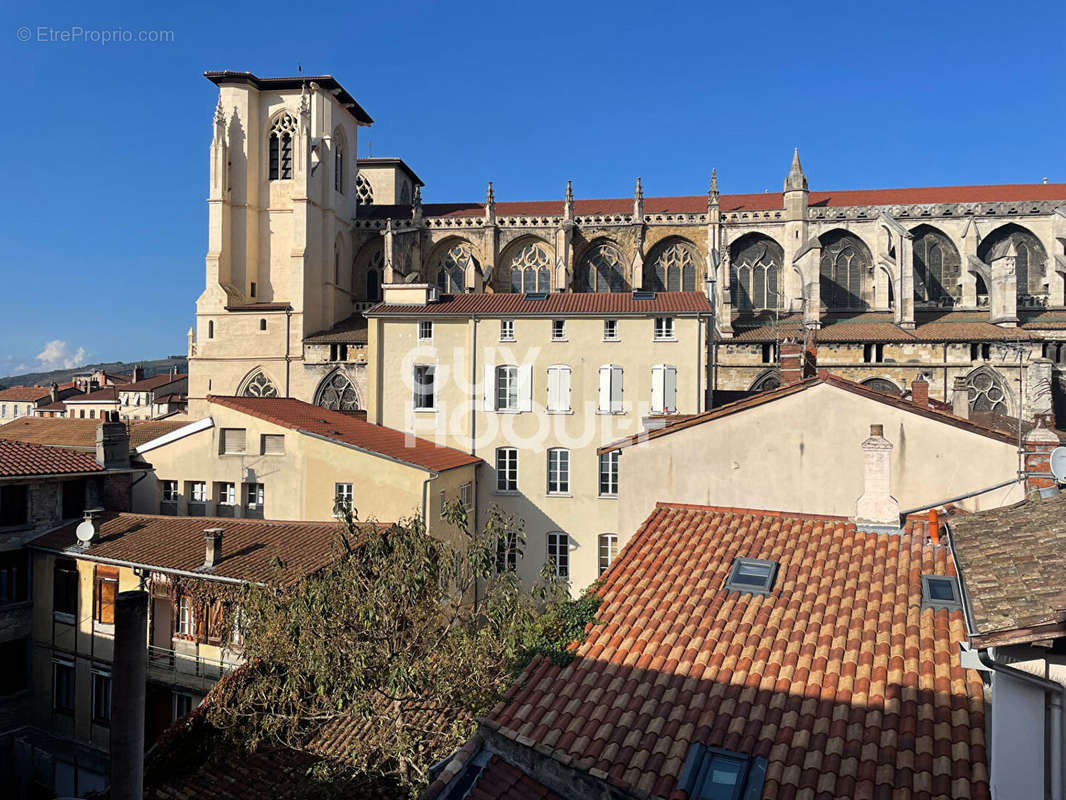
[190, 670]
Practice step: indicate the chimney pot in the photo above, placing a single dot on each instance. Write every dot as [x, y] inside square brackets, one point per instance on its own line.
[213, 542]
[960, 398]
[877, 510]
[112, 442]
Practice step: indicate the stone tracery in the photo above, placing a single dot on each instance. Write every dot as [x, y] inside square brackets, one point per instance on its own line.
[672, 267]
[603, 269]
[450, 269]
[530, 268]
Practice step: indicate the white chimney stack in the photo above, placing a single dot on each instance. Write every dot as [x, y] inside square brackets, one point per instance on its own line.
[877, 509]
[213, 541]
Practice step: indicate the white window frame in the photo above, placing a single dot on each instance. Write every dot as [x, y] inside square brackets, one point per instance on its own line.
[197, 491]
[664, 330]
[558, 330]
[611, 542]
[184, 617]
[507, 330]
[505, 387]
[558, 389]
[466, 495]
[222, 443]
[610, 331]
[559, 554]
[425, 330]
[418, 393]
[343, 495]
[254, 495]
[664, 389]
[227, 493]
[168, 491]
[559, 463]
[608, 474]
[611, 389]
[506, 470]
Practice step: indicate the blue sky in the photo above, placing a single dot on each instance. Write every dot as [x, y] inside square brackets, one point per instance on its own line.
[105, 146]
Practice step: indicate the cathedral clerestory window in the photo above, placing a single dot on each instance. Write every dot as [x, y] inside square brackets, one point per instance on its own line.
[602, 269]
[260, 386]
[281, 148]
[531, 269]
[337, 393]
[672, 269]
[364, 192]
[755, 271]
[451, 268]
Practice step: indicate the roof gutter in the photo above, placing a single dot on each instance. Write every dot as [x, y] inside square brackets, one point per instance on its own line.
[118, 562]
[374, 453]
[96, 474]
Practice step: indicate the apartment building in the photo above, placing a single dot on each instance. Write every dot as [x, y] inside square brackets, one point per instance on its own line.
[280, 458]
[534, 384]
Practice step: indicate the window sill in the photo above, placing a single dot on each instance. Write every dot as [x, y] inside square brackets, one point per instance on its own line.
[103, 628]
[512, 340]
[560, 340]
[234, 454]
[606, 497]
[606, 341]
[611, 413]
[564, 413]
[425, 410]
[665, 339]
[506, 492]
[558, 494]
[509, 411]
[60, 616]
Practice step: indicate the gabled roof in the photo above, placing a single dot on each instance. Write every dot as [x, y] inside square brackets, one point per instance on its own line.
[105, 394]
[151, 384]
[79, 433]
[838, 677]
[823, 377]
[27, 394]
[559, 303]
[1012, 560]
[349, 430]
[23, 458]
[250, 548]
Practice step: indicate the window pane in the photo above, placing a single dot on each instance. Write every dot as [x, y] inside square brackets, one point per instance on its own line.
[751, 574]
[941, 589]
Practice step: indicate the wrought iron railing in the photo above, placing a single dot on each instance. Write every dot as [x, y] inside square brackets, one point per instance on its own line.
[187, 669]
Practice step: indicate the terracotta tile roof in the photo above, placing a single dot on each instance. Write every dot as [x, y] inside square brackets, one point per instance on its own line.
[79, 433]
[26, 394]
[559, 303]
[1012, 560]
[105, 394]
[150, 384]
[877, 326]
[352, 330]
[349, 429]
[1050, 320]
[23, 458]
[249, 547]
[500, 779]
[823, 377]
[838, 677]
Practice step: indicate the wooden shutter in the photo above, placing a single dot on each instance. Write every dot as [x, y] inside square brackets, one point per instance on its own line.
[106, 591]
[616, 388]
[669, 389]
[273, 444]
[553, 388]
[605, 388]
[657, 385]
[525, 387]
[490, 388]
[232, 440]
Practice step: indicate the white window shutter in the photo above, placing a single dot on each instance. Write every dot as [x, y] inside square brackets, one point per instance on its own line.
[616, 388]
[670, 389]
[605, 388]
[525, 387]
[554, 375]
[490, 388]
[657, 388]
[564, 389]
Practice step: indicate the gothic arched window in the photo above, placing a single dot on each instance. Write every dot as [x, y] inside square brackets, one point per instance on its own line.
[281, 147]
[985, 391]
[771, 379]
[755, 272]
[259, 385]
[337, 393]
[882, 385]
[845, 262]
[1029, 256]
[364, 192]
[451, 267]
[530, 268]
[602, 269]
[672, 267]
[936, 266]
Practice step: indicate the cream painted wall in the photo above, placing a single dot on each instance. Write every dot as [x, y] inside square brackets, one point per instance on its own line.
[802, 453]
[462, 422]
[298, 485]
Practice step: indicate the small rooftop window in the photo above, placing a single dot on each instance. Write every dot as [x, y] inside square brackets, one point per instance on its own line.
[711, 773]
[940, 591]
[643, 295]
[536, 295]
[751, 575]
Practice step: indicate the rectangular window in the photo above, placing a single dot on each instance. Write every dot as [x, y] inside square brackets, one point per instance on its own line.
[13, 576]
[506, 469]
[558, 330]
[608, 549]
[873, 353]
[752, 576]
[101, 696]
[425, 331]
[231, 440]
[558, 471]
[197, 491]
[105, 589]
[63, 685]
[169, 490]
[663, 389]
[182, 706]
[610, 389]
[558, 389]
[342, 498]
[466, 495]
[507, 552]
[184, 621]
[272, 444]
[14, 505]
[506, 388]
[609, 474]
[940, 591]
[65, 587]
[664, 329]
[338, 352]
[559, 554]
[226, 494]
[610, 330]
[506, 330]
[425, 398]
[769, 353]
[254, 496]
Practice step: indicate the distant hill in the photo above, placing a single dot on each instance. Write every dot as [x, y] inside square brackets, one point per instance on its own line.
[114, 367]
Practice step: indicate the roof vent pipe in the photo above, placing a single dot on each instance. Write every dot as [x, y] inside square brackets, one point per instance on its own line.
[213, 550]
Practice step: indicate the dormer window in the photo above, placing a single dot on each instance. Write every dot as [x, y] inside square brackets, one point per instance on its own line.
[281, 133]
[751, 576]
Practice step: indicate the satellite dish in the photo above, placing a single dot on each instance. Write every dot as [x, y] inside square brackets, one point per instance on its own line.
[1058, 464]
[85, 532]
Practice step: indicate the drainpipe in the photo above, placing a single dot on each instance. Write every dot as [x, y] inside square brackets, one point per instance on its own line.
[1058, 694]
[288, 332]
[425, 498]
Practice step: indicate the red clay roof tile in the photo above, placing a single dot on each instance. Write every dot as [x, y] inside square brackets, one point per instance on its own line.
[561, 303]
[24, 458]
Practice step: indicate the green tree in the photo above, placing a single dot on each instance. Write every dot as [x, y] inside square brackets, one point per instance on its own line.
[411, 636]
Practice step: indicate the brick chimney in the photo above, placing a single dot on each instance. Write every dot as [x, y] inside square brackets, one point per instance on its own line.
[53, 392]
[1039, 443]
[960, 398]
[138, 374]
[791, 362]
[920, 393]
[112, 442]
[877, 509]
[213, 542]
